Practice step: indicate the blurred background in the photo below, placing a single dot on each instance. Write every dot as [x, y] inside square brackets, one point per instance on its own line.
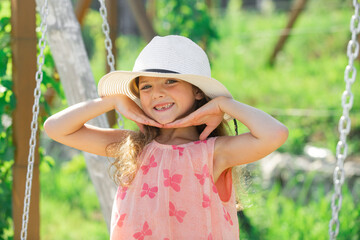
[297, 77]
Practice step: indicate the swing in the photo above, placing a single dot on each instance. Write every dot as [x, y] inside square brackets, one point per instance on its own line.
[343, 127]
[90, 93]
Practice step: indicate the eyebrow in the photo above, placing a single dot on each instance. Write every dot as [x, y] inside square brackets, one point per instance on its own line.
[149, 81]
[143, 81]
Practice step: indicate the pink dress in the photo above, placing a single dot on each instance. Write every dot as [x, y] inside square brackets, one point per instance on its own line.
[173, 196]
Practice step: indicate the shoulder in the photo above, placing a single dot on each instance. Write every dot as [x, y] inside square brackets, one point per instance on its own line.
[220, 146]
[230, 151]
[220, 150]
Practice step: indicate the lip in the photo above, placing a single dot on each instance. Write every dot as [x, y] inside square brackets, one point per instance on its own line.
[163, 104]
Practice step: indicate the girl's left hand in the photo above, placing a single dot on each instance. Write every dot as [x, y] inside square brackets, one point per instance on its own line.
[209, 114]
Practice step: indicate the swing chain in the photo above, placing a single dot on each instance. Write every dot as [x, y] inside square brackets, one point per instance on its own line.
[108, 46]
[34, 124]
[347, 100]
[106, 30]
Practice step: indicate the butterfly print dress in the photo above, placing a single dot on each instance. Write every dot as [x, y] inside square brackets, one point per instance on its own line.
[173, 196]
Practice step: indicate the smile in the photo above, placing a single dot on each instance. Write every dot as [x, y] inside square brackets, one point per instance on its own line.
[163, 107]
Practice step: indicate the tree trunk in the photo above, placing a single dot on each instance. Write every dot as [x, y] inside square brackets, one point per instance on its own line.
[68, 50]
[296, 10]
[138, 9]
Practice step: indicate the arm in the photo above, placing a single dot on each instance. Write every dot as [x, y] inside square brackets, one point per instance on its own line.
[69, 126]
[265, 136]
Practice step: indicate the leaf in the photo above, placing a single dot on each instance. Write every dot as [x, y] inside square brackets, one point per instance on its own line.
[12, 100]
[7, 84]
[4, 21]
[3, 62]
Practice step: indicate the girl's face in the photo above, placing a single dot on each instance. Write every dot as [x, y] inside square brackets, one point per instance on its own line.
[165, 99]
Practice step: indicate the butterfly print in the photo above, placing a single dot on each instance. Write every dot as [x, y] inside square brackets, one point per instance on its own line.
[206, 201]
[227, 217]
[120, 221]
[173, 181]
[213, 185]
[177, 213]
[121, 193]
[200, 141]
[204, 175]
[149, 191]
[145, 232]
[151, 164]
[181, 149]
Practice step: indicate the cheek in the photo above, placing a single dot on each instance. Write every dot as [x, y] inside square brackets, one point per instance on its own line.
[143, 102]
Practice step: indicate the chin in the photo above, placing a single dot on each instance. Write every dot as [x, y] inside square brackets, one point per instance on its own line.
[165, 121]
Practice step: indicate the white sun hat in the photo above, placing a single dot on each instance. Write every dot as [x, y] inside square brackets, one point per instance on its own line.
[171, 56]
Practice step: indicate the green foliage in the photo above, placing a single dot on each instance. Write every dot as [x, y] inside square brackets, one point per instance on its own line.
[307, 76]
[7, 104]
[188, 18]
[274, 215]
[67, 190]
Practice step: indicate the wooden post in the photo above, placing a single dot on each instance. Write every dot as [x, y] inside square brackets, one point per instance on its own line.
[297, 8]
[143, 22]
[82, 7]
[23, 46]
[151, 10]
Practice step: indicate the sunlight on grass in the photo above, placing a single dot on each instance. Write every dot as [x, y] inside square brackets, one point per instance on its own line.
[273, 215]
[69, 205]
[60, 221]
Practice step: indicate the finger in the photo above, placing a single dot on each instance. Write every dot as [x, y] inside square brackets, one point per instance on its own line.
[206, 132]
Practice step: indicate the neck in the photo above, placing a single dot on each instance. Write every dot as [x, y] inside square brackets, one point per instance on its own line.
[175, 136]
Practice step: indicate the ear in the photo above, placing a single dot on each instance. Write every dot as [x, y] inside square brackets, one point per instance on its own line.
[198, 93]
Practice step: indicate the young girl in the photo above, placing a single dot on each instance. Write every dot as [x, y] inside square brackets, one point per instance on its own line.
[174, 175]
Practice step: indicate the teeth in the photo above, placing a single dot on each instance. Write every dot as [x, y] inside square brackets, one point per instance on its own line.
[163, 107]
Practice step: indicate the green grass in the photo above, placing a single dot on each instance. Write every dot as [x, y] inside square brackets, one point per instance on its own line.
[274, 215]
[308, 73]
[69, 208]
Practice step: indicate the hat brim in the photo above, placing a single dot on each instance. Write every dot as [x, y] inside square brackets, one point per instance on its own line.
[122, 82]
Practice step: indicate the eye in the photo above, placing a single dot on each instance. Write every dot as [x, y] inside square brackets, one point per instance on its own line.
[171, 81]
[144, 87]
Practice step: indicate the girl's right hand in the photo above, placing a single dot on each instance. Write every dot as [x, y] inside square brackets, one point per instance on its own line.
[129, 109]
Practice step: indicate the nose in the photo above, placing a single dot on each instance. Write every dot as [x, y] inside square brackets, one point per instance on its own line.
[158, 92]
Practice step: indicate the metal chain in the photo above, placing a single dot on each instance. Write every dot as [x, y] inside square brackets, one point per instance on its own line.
[34, 124]
[106, 30]
[344, 123]
[108, 46]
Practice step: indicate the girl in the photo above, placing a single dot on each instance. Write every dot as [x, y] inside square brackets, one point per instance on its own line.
[175, 173]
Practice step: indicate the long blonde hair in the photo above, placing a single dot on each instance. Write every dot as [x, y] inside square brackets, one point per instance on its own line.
[127, 152]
